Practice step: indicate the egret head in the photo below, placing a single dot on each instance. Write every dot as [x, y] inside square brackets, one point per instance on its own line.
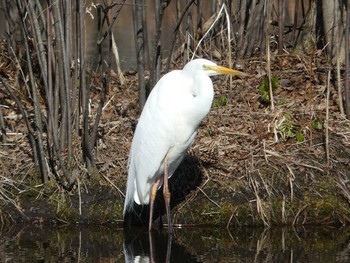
[209, 68]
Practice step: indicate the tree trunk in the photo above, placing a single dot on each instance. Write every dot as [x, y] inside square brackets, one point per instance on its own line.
[334, 29]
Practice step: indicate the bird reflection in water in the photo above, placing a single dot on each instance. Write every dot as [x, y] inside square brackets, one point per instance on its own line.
[143, 246]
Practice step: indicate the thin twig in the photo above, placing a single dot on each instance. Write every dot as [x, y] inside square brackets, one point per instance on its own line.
[259, 204]
[268, 69]
[344, 189]
[222, 9]
[79, 195]
[230, 219]
[283, 209]
[117, 61]
[298, 214]
[116, 187]
[114, 18]
[294, 162]
[291, 180]
[347, 70]
[3, 129]
[339, 82]
[211, 200]
[327, 120]
[140, 37]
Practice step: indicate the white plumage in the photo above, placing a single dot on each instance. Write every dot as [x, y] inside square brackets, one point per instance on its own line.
[168, 126]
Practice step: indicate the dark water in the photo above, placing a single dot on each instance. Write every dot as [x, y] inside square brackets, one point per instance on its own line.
[103, 244]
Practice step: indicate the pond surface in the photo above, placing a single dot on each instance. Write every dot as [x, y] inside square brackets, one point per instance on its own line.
[106, 244]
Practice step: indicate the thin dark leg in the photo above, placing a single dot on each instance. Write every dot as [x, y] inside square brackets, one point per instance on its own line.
[166, 194]
[154, 190]
[168, 251]
[150, 239]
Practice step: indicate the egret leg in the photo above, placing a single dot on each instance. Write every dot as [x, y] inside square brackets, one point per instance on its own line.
[166, 194]
[154, 190]
[168, 251]
[150, 239]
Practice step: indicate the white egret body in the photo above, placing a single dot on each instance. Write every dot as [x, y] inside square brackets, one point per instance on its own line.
[167, 128]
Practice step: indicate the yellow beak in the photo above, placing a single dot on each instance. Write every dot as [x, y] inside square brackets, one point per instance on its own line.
[224, 70]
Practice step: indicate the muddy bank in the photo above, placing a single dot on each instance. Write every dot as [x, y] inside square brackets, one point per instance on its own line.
[269, 195]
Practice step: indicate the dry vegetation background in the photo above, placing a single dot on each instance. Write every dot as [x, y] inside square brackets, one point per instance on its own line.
[273, 150]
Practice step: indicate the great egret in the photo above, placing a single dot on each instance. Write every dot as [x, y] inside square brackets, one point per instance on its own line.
[166, 130]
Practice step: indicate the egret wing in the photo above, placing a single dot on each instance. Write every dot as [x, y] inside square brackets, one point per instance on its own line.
[154, 136]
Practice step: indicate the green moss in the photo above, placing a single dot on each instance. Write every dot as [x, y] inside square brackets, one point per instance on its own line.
[220, 101]
[68, 214]
[244, 216]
